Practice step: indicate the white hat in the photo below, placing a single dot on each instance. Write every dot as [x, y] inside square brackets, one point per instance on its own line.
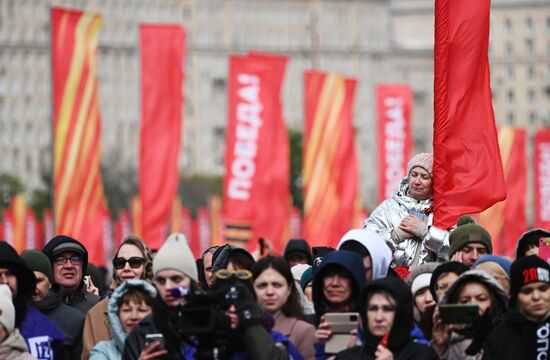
[175, 254]
[297, 271]
[420, 282]
[7, 311]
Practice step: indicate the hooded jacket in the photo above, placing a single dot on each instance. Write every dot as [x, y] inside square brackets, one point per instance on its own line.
[529, 236]
[519, 338]
[387, 216]
[14, 348]
[399, 339]
[112, 350]
[298, 245]
[461, 342]
[80, 298]
[26, 281]
[346, 260]
[379, 252]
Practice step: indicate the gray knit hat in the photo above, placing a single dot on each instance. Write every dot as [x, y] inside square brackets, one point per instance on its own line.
[38, 261]
[175, 254]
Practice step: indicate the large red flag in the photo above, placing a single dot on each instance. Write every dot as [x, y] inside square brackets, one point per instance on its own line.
[542, 179]
[506, 220]
[162, 61]
[330, 170]
[79, 201]
[393, 113]
[256, 185]
[468, 175]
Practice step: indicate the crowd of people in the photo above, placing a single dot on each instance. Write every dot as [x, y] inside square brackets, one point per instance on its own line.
[399, 288]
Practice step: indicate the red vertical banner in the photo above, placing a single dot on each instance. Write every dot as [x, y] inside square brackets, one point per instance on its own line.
[162, 62]
[7, 220]
[256, 184]
[19, 209]
[79, 201]
[542, 179]
[187, 223]
[295, 230]
[394, 134]
[49, 228]
[31, 239]
[122, 227]
[468, 175]
[203, 232]
[330, 169]
[108, 239]
[506, 220]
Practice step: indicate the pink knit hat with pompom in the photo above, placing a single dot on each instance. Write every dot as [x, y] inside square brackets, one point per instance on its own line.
[424, 160]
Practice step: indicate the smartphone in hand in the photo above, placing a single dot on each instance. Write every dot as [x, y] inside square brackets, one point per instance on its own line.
[151, 338]
[341, 325]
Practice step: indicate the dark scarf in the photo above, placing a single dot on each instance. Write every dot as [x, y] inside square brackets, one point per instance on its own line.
[162, 316]
[530, 332]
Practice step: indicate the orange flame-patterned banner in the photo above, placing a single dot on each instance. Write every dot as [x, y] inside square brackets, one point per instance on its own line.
[506, 220]
[79, 201]
[330, 169]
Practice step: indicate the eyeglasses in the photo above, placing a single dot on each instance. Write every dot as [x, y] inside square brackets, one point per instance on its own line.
[223, 274]
[62, 260]
[135, 262]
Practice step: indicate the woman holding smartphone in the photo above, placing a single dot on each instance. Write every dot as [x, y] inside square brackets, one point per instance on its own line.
[277, 295]
[466, 341]
[132, 260]
[129, 303]
[386, 310]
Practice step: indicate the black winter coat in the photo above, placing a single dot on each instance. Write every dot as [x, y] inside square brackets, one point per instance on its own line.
[519, 338]
[69, 320]
[410, 352]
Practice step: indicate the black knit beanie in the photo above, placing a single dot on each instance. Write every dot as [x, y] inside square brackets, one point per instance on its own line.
[527, 270]
[448, 267]
[468, 232]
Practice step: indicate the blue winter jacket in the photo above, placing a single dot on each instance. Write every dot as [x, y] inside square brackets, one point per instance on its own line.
[43, 337]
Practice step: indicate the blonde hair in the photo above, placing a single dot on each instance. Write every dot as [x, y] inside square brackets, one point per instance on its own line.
[494, 267]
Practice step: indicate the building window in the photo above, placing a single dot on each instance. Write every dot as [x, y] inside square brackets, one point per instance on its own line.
[529, 29]
[531, 95]
[509, 50]
[510, 72]
[529, 47]
[510, 96]
[510, 118]
[532, 117]
[508, 28]
[530, 72]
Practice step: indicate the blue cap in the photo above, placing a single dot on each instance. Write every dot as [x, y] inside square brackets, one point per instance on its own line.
[504, 263]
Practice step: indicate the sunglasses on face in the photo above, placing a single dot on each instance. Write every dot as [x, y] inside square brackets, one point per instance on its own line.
[224, 274]
[135, 262]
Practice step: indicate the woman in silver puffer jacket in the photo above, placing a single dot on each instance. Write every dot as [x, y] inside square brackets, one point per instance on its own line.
[405, 220]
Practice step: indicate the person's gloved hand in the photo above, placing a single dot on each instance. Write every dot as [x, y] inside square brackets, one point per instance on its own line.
[248, 312]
